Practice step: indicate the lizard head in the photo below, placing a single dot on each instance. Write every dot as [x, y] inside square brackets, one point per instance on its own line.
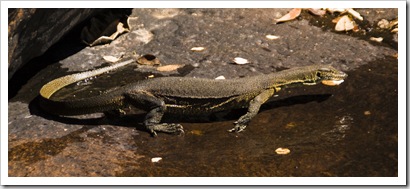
[330, 76]
[324, 74]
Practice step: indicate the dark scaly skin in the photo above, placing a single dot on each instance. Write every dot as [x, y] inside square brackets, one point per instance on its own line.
[186, 96]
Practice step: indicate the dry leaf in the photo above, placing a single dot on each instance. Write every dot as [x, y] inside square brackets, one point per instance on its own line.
[169, 68]
[317, 11]
[394, 22]
[290, 125]
[105, 28]
[290, 16]
[282, 151]
[335, 20]
[354, 13]
[395, 30]
[344, 24]
[197, 132]
[332, 10]
[395, 55]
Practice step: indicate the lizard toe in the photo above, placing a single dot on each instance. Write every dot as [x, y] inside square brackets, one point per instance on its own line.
[238, 128]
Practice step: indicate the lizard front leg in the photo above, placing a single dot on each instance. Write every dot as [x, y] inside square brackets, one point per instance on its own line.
[253, 109]
[156, 109]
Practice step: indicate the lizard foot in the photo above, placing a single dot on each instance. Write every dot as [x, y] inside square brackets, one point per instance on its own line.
[238, 128]
[172, 128]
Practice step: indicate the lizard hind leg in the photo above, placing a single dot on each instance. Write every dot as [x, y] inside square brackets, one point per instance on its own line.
[156, 109]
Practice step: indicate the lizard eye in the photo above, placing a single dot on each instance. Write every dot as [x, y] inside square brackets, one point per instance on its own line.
[318, 74]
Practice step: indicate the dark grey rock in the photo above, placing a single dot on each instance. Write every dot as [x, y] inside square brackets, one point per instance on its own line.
[33, 31]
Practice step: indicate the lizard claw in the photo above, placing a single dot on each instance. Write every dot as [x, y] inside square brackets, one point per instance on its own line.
[153, 133]
[176, 129]
[171, 128]
[238, 128]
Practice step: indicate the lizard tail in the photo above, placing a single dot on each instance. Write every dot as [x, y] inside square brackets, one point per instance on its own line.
[95, 104]
[53, 86]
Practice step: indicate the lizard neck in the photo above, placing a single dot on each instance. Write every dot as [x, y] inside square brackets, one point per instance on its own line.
[291, 78]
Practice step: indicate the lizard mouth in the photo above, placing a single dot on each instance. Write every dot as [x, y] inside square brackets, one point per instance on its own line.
[332, 82]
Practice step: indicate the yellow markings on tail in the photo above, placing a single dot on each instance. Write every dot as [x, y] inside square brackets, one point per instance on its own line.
[53, 86]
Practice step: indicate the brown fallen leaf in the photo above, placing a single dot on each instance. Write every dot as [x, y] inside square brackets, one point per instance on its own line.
[345, 24]
[395, 55]
[395, 30]
[197, 132]
[105, 28]
[317, 11]
[290, 16]
[282, 151]
[168, 68]
[354, 13]
[332, 10]
[290, 125]
[335, 20]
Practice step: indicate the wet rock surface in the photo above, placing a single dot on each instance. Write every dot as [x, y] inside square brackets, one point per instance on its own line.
[348, 130]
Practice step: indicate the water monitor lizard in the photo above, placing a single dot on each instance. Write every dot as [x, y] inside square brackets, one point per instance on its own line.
[184, 95]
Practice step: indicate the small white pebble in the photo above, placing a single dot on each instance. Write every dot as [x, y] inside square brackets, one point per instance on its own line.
[197, 49]
[110, 58]
[156, 159]
[240, 60]
[195, 65]
[220, 77]
[65, 129]
[28, 116]
[272, 37]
